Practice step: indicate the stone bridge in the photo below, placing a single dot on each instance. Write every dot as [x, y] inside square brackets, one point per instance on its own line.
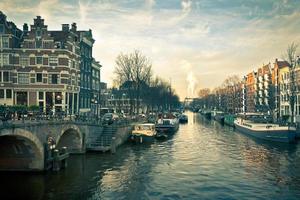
[26, 146]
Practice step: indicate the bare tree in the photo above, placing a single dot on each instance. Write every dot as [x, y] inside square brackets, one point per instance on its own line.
[290, 57]
[141, 73]
[123, 69]
[231, 80]
[231, 87]
[203, 92]
[134, 69]
[290, 54]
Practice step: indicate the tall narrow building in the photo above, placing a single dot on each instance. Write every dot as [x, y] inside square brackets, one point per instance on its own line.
[86, 60]
[250, 86]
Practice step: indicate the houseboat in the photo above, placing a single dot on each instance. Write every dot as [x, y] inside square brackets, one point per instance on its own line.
[143, 133]
[167, 123]
[266, 131]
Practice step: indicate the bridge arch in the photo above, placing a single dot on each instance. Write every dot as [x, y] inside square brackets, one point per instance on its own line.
[20, 150]
[70, 137]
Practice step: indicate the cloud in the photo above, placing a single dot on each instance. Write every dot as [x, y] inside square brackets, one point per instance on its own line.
[208, 39]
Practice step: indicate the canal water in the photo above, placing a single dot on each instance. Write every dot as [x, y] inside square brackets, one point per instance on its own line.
[203, 160]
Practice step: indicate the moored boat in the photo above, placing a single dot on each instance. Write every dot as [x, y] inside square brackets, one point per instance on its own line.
[167, 123]
[218, 116]
[183, 118]
[266, 131]
[143, 133]
[207, 114]
[229, 119]
[161, 135]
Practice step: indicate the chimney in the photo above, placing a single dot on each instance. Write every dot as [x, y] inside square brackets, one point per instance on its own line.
[65, 27]
[74, 27]
[25, 28]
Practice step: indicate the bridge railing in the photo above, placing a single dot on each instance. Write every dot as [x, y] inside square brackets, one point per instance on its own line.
[37, 122]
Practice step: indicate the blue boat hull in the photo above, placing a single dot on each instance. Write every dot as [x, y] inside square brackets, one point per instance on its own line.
[183, 121]
[287, 136]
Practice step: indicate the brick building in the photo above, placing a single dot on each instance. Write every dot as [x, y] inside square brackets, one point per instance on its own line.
[42, 67]
[250, 86]
[264, 101]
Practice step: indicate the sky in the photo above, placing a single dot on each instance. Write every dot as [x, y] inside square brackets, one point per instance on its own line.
[192, 43]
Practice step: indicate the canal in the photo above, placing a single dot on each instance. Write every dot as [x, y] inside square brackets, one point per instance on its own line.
[203, 160]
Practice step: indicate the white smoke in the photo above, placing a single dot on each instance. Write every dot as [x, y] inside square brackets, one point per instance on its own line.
[83, 11]
[192, 84]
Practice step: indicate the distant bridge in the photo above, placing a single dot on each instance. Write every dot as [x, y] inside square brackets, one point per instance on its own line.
[188, 100]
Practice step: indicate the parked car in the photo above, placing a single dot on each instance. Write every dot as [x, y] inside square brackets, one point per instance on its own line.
[109, 118]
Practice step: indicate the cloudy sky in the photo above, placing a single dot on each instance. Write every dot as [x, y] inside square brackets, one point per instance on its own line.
[193, 43]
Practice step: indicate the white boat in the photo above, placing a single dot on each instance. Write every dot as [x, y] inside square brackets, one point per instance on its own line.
[167, 123]
[143, 133]
[266, 131]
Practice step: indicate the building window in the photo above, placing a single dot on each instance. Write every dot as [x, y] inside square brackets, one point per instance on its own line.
[23, 78]
[38, 33]
[4, 59]
[52, 60]
[5, 76]
[39, 77]
[1, 93]
[5, 42]
[32, 60]
[2, 28]
[38, 44]
[63, 61]
[47, 44]
[24, 61]
[45, 61]
[29, 44]
[8, 93]
[54, 79]
[41, 95]
[39, 60]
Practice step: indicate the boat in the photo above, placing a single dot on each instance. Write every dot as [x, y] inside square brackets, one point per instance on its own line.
[151, 118]
[229, 119]
[142, 133]
[266, 131]
[183, 119]
[167, 123]
[207, 114]
[218, 116]
[161, 135]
